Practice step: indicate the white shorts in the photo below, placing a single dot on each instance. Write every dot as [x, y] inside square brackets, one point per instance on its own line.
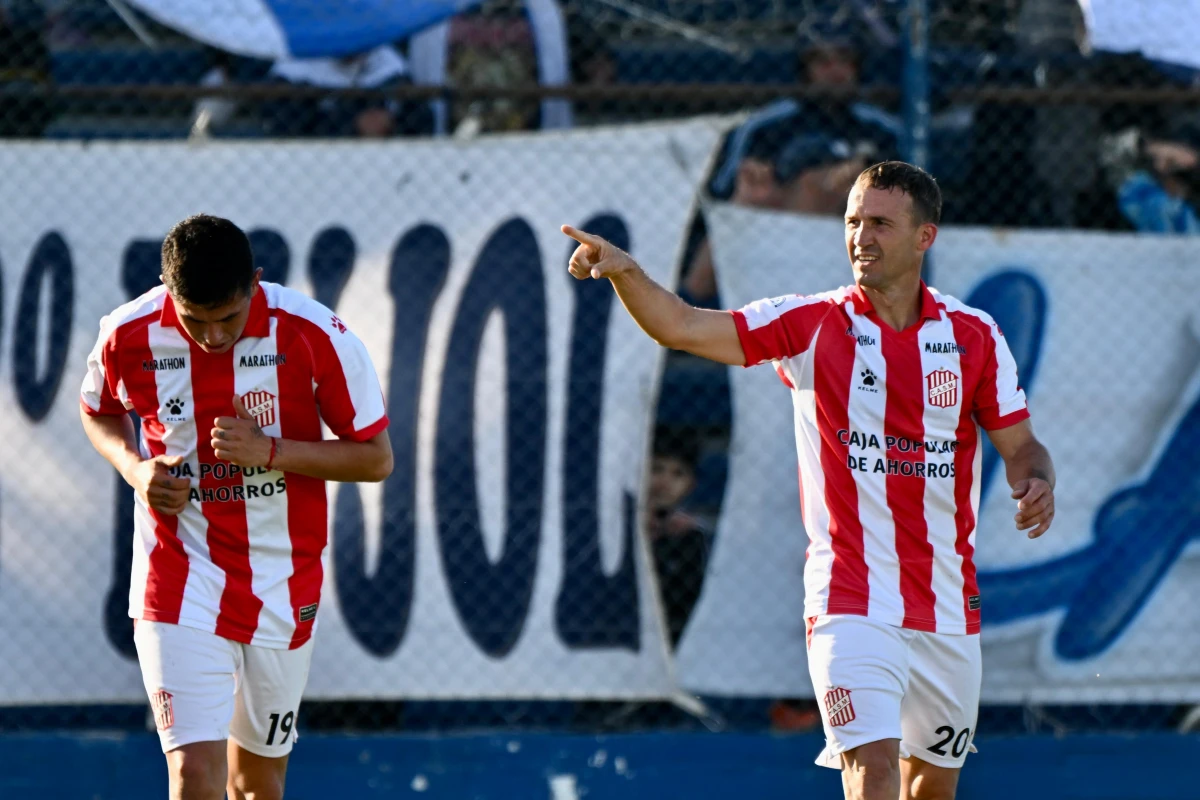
[204, 688]
[876, 681]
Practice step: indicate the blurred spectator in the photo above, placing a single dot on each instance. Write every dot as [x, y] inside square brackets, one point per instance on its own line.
[1156, 178]
[593, 64]
[332, 115]
[521, 43]
[679, 541]
[784, 168]
[829, 57]
[24, 64]
[211, 114]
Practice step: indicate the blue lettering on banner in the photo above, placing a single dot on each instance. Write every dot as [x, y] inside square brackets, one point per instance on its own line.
[593, 609]
[492, 600]
[140, 268]
[51, 261]
[376, 607]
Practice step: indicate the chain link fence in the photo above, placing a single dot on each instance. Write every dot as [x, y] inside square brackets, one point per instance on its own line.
[1031, 135]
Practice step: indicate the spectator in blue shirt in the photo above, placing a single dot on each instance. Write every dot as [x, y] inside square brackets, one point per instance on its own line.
[1157, 179]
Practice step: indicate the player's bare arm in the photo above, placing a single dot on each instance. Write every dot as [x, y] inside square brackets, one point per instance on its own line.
[665, 317]
[114, 438]
[239, 440]
[1030, 474]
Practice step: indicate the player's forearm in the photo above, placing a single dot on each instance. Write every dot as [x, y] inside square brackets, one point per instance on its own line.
[658, 312]
[335, 459]
[114, 438]
[1032, 460]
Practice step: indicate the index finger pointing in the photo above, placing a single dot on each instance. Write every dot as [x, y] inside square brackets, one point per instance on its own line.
[581, 236]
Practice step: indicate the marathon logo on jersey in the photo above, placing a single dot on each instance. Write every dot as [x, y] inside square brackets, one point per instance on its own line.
[265, 360]
[261, 406]
[156, 364]
[164, 714]
[943, 388]
[308, 612]
[838, 707]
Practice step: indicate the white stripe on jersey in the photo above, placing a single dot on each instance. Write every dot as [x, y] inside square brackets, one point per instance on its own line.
[205, 581]
[941, 424]
[863, 410]
[266, 517]
[818, 569]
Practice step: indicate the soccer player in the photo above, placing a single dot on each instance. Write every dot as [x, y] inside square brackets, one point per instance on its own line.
[890, 382]
[232, 378]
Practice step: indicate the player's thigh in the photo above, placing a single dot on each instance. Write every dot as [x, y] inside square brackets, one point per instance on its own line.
[859, 671]
[189, 675]
[942, 704]
[920, 780]
[270, 686]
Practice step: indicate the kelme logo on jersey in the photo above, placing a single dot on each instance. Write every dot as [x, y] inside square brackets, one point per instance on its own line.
[261, 406]
[943, 388]
[174, 409]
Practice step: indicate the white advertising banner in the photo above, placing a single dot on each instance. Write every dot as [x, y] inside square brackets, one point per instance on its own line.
[1105, 329]
[501, 558]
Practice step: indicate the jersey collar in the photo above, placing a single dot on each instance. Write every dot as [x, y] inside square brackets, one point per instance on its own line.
[929, 306]
[257, 324]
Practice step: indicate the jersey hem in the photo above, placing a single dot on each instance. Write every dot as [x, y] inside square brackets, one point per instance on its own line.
[369, 431]
[208, 627]
[94, 412]
[896, 621]
[997, 423]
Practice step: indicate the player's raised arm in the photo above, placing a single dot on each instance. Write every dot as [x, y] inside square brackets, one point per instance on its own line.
[665, 317]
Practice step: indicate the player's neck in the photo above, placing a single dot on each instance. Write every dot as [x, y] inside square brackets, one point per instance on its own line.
[898, 305]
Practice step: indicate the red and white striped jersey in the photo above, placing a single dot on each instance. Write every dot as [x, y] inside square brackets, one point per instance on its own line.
[243, 560]
[887, 433]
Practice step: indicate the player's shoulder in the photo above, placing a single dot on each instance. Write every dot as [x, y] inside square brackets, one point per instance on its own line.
[977, 319]
[789, 302]
[302, 308]
[140, 310]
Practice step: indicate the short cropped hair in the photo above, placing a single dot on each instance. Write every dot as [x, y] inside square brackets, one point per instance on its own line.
[207, 261]
[913, 181]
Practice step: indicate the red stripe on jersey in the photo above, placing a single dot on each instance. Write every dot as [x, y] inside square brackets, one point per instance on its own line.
[224, 509]
[333, 395]
[966, 328]
[904, 419]
[307, 514]
[168, 570]
[849, 592]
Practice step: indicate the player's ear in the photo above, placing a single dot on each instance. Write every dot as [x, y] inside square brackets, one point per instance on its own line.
[926, 236]
[254, 281]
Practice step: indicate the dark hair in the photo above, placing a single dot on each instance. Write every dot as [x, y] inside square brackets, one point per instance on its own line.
[206, 261]
[680, 444]
[913, 181]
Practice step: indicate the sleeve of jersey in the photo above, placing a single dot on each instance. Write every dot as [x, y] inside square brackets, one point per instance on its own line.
[999, 400]
[348, 389]
[99, 394]
[777, 328]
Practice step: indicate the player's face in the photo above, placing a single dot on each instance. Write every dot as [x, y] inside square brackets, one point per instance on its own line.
[216, 328]
[882, 239]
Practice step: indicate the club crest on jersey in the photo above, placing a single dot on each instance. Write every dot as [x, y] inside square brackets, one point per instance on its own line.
[164, 714]
[261, 406]
[838, 707]
[943, 388]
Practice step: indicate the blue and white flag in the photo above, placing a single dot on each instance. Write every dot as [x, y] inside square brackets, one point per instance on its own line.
[273, 29]
[1163, 30]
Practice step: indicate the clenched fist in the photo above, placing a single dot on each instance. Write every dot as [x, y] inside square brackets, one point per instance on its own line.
[239, 440]
[152, 481]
